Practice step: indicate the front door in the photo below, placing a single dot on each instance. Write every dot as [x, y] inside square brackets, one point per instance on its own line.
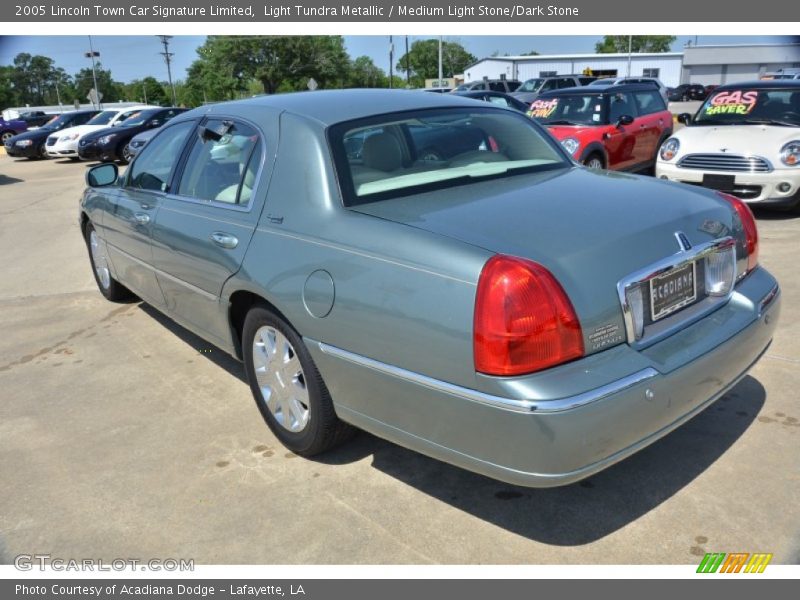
[128, 224]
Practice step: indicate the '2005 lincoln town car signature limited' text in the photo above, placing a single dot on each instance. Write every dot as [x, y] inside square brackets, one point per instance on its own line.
[502, 309]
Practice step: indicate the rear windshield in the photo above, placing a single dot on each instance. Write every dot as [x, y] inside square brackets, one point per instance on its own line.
[572, 109]
[751, 106]
[413, 152]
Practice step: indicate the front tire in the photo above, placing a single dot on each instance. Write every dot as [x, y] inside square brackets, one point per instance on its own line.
[287, 387]
[112, 289]
[125, 154]
[595, 161]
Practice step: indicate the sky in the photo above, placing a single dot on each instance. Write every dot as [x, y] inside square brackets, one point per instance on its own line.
[135, 57]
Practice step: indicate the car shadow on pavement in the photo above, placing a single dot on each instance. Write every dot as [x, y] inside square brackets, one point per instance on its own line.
[218, 357]
[588, 510]
[5, 179]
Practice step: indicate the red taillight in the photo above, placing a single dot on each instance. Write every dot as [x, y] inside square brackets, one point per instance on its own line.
[749, 226]
[524, 321]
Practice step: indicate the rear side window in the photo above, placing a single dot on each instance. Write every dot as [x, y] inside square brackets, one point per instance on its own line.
[221, 166]
[566, 82]
[586, 80]
[153, 167]
[649, 102]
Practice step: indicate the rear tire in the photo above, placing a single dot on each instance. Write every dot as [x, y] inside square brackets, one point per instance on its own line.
[287, 387]
[112, 289]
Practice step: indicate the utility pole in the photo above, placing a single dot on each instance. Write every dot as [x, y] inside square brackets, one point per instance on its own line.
[408, 69]
[92, 54]
[168, 57]
[391, 61]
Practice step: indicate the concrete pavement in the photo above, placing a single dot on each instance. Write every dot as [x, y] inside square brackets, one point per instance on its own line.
[124, 435]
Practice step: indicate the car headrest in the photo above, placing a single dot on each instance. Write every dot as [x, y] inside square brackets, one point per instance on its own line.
[382, 151]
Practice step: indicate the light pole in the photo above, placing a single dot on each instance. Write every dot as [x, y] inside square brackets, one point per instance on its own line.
[391, 60]
[93, 54]
[630, 47]
[440, 61]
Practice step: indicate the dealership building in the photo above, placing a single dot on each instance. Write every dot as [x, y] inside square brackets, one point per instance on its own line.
[716, 64]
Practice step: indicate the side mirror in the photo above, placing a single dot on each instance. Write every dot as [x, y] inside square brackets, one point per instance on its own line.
[102, 175]
[684, 118]
[624, 120]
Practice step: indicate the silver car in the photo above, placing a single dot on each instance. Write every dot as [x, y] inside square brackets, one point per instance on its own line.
[498, 306]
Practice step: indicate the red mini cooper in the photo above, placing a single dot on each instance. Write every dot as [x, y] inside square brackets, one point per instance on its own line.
[620, 127]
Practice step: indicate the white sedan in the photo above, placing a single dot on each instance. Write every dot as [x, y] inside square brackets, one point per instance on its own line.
[64, 144]
[744, 140]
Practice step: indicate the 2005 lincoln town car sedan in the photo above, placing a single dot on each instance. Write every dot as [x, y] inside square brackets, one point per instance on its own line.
[502, 309]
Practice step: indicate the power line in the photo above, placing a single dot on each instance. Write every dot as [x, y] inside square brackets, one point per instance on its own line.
[168, 57]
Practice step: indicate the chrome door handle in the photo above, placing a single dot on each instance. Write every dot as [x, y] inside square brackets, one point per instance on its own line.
[141, 218]
[225, 240]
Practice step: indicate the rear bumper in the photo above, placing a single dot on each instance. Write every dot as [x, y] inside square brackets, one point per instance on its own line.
[542, 442]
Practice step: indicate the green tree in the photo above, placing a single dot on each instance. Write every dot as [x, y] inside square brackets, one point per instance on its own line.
[226, 64]
[148, 90]
[8, 95]
[423, 60]
[110, 89]
[639, 43]
[364, 73]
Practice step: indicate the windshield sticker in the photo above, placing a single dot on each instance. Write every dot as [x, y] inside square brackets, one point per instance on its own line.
[541, 109]
[732, 103]
[596, 118]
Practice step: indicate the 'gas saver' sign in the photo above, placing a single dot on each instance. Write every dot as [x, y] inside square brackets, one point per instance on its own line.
[732, 103]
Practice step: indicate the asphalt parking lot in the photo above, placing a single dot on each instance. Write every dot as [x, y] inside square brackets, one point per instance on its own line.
[124, 435]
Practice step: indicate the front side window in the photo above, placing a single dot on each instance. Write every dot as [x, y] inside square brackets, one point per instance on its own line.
[531, 85]
[751, 106]
[407, 153]
[155, 163]
[620, 104]
[222, 163]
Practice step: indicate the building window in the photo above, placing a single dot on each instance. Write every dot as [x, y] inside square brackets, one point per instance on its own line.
[548, 73]
[650, 73]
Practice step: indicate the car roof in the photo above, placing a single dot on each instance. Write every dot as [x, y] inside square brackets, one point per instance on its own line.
[329, 107]
[601, 89]
[761, 83]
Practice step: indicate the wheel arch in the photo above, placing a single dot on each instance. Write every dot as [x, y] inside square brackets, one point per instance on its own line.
[594, 148]
[239, 303]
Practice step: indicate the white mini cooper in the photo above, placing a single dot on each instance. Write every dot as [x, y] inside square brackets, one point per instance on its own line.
[744, 140]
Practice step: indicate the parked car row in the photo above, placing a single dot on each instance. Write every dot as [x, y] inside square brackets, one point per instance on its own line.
[89, 134]
[519, 315]
[744, 139]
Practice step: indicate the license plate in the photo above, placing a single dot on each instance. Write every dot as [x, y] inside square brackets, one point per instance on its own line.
[672, 291]
[723, 183]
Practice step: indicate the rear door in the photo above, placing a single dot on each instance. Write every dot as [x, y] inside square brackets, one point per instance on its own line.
[128, 223]
[204, 227]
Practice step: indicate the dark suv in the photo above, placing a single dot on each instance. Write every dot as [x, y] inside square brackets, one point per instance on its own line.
[505, 86]
[530, 90]
[687, 91]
